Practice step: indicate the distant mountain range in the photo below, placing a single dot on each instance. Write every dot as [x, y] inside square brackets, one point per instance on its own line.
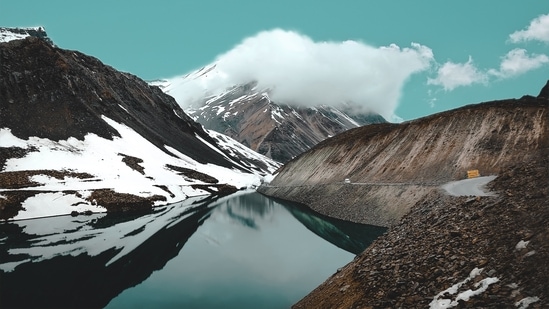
[245, 112]
[77, 135]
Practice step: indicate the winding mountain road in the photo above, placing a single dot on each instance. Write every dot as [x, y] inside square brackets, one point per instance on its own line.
[469, 187]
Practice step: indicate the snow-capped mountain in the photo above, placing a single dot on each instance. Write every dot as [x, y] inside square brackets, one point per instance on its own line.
[245, 112]
[78, 136]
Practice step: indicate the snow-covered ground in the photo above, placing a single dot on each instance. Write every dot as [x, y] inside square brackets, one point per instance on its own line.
[102, 158]
[469, 187]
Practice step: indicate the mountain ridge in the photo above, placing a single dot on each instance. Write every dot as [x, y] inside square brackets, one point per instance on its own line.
[411, 159]
[246, 113]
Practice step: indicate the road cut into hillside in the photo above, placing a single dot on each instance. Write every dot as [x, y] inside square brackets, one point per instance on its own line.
[469, 187]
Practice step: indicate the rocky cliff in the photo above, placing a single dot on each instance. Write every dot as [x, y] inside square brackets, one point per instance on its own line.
[392, 166]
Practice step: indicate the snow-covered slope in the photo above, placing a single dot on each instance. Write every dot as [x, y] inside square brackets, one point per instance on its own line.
[128, 164]
[79, 136]
[279, 130]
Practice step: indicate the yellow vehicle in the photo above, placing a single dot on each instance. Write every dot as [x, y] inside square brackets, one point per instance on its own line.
[473, 174]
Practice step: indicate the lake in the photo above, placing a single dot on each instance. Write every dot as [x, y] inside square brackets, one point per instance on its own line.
[240, 251]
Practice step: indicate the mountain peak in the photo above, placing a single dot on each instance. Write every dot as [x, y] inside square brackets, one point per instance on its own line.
[127, 145]
[544, 93]
[10, 34]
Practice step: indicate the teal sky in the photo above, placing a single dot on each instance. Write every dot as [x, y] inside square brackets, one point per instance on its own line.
[160, 39]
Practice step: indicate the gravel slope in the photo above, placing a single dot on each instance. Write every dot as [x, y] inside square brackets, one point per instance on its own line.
[443, 239]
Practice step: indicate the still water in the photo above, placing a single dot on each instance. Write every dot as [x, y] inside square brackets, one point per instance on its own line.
[240, 251]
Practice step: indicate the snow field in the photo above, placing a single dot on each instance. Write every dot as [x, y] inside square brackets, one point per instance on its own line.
[102, 158]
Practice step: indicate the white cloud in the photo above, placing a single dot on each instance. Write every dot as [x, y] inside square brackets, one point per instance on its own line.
[517, 62]
[451, 75]
[538, 30]
[300, 71]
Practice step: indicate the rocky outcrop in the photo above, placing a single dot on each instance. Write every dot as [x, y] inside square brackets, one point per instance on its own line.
[393, 166]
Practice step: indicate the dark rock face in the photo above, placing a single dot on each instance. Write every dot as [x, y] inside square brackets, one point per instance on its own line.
[53, 93]
[278, 131]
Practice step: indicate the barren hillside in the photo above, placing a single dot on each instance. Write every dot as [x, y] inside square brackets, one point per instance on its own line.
[392, 166]
[456, 252]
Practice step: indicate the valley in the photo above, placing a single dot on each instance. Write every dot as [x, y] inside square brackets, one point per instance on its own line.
[123, 157]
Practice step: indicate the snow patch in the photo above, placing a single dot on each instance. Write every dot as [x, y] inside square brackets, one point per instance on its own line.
[55, 204]
[527, 301]
[7, 35]
[443, 303]
[268, 178]
[7, 139]
[122, 107]
[276, 114]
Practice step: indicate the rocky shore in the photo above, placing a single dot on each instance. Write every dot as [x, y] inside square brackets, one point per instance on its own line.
[493, 251]
[359, 203]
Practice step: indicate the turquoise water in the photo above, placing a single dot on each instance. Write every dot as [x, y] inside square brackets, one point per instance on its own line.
[242, 251]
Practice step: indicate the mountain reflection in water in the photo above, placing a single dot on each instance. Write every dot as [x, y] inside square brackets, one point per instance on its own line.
[349, 236]
[242, 251]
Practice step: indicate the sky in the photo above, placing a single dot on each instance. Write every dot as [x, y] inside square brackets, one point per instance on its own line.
[403, 59]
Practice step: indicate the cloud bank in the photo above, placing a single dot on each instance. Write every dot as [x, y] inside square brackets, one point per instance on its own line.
[538, 30]
[302, 72]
